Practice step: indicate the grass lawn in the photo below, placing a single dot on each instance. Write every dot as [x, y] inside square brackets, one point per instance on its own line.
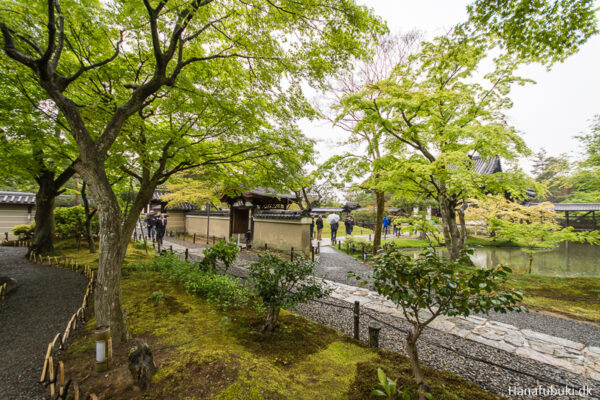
[577, 298]
[341, 232]
[203, 352]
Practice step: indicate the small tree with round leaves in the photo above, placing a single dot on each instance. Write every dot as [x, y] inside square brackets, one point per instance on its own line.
[281, 283]
[429, 286]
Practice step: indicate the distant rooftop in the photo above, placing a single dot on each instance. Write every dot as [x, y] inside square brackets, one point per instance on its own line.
[17, 198]
[486, 167]
[577, 207]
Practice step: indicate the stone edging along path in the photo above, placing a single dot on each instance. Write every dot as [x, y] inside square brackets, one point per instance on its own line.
[563, 353]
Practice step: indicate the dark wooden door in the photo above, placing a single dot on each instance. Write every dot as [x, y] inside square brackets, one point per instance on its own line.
[240, 221]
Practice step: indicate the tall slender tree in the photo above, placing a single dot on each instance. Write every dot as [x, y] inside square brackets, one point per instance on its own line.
[368, 157]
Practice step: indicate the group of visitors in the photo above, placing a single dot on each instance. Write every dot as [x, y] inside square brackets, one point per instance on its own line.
[156, 223]
[394, 223]
[333, 220]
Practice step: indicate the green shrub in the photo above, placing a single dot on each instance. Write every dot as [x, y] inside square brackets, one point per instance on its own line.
[226, 252]
[365, 216]
[281, 283]
[24, 232]
[358, 244]
[222, 290]
[441, 287]
[70, 222]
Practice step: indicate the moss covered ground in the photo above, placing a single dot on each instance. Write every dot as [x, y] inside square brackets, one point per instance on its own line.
[203, 352]
[577, 298]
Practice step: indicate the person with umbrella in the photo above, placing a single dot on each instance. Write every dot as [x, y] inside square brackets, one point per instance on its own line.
[333, 220]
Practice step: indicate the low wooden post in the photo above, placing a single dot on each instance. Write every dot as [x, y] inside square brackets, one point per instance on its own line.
[312, 253]
[364, 256]
[194, 239]
[347, 248]
[266, 247]
[292, 255]
[339, 245]
[51, 376]
[6, 236]
[356, 319]
[61, 378]
[374, 336]
[171, 248]
[187, 254]
[318, 247]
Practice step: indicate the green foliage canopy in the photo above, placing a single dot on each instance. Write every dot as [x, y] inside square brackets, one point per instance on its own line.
[540, 30]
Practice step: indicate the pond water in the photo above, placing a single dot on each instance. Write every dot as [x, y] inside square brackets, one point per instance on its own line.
[568, 259]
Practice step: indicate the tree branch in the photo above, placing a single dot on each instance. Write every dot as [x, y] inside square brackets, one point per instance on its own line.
[65, 81]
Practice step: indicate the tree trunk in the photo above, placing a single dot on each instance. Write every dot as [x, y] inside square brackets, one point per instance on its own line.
[115, 234]
[413, 356]
[43, 236]
[107, 293]
[89, 215]
[272, 318]
[452, 235]
[107, 296]
[463, 224]
[379, 195]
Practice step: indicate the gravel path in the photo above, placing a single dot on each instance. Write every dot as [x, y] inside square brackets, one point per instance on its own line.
[30, 317]
[335, 265]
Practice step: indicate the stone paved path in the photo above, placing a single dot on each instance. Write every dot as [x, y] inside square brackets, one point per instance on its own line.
[579, 358]
[38, 309]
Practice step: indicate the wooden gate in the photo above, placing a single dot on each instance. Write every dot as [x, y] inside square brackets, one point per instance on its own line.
[240, 221]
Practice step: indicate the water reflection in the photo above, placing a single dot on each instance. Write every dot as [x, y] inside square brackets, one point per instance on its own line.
[568, 259]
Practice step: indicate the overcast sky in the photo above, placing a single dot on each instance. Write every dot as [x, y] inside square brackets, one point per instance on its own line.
[548, 114]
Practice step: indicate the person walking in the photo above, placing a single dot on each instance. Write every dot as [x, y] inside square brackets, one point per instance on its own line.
[333, 220]
[386, 225]
[349, 224]
[150, 225]
[161, 228]
[319, 224]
